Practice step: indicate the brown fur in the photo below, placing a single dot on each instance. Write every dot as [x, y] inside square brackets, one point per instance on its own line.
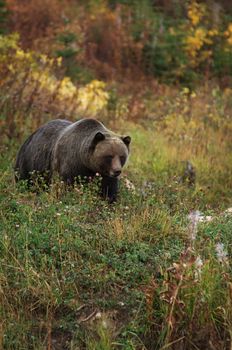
[76, 149]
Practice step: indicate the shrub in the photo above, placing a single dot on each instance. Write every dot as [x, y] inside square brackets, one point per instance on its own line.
[29, 85]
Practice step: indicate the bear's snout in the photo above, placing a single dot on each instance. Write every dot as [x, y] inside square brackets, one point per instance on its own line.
[116, 167]
[117, 173]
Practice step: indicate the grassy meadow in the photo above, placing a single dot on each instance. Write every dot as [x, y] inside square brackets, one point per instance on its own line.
[77, 273]
[153, 270]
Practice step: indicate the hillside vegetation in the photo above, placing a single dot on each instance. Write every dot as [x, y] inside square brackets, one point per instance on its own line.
[152, 271]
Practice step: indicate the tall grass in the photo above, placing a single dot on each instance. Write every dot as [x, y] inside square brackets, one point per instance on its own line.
[77, 273]
[152, 271]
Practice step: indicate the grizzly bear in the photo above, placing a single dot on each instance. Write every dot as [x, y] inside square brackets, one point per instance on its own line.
[74, 150]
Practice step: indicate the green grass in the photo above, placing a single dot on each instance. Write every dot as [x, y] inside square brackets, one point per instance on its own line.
[77, 273]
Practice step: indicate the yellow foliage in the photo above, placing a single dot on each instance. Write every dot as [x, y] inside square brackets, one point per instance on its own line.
[195, 41]
[213, 32]
[66, 88]
[200, 38]
[98, 8]
[8, 43]
[228, 34]
[36, 71]
[93, 97]
[196, 12]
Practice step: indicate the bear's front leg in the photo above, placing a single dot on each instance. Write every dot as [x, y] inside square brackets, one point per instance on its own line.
[110, 188]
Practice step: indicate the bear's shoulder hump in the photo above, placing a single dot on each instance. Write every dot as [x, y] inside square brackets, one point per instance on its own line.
[89, 124]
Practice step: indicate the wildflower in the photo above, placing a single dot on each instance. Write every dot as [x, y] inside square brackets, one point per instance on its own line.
[98, 315]
[206, 218]
[129, 185]
[198, 262]
[198, 265]
[194, 217]
[221, 253]
[121, 303]
[104, 324]
[228, 211]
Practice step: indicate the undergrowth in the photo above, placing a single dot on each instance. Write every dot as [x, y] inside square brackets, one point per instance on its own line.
[79, 273]
[152, 271]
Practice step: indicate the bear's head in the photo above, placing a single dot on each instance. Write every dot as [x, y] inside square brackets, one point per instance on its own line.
[109, 153]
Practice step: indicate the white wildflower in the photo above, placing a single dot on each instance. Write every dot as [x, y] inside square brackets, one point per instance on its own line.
[129, 185]
[194, 217]
[208, 218]
[198, 262]
[228, 211]
[104, 324]
[198, 266]
[98, 315]
[221, 253]
[121, 303]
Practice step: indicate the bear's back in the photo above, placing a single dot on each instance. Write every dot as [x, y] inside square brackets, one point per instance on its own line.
[35, 153]
[84, 128]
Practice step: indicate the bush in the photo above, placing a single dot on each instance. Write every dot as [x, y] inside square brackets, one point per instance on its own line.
[29, 86]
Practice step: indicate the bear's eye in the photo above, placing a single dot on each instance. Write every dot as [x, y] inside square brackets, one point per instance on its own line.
[122, 160]
[108, 158]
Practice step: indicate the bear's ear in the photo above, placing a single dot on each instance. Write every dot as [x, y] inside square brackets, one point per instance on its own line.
[126, 140]
[97, 138]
